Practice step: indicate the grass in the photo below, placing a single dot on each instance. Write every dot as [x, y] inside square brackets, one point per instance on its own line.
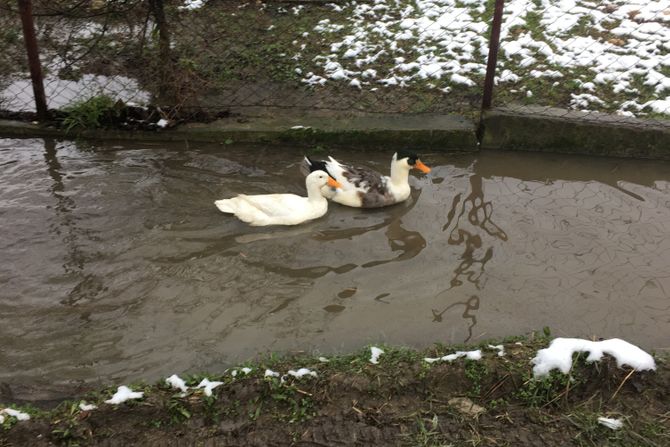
[89, 113]
[402, 394]
[251, 51]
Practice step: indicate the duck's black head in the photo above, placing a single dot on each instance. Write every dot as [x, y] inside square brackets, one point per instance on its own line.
[317, 165]
[411, 157]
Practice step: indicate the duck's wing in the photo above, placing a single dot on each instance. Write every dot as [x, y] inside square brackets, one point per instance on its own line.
[364, 180]
[276, 205]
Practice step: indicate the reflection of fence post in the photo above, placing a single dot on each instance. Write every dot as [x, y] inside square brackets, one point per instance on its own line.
[494, 44]
[158, 9]
[26, 10]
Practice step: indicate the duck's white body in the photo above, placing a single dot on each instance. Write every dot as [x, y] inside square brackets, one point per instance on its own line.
[365, 188]
[280, 209]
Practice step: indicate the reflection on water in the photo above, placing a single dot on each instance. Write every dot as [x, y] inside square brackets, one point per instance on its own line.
[472, 266]
[471, 305]
[120, 268]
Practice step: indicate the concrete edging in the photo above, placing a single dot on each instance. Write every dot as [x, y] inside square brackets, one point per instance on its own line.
[537, 129]
[542, 129]
[421, 132]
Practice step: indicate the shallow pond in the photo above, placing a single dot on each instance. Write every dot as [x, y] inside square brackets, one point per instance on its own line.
[116, 266]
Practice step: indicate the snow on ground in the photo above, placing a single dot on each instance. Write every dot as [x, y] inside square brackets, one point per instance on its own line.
[192, 4]
[374, 354]
[83, 406]
[559, 355]
[177, 382]
[614, 424]
[620, 48]
[499, 348]
[123, 393]
[208, 386]
[422, 40]
[19, 415]
[472, 355]
[301, 373]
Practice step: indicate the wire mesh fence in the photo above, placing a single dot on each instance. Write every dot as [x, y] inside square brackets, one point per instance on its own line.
[395, 56]
[591, 56]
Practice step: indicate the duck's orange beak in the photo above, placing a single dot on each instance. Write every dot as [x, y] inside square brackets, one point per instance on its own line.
[333, 183]
[421, 167]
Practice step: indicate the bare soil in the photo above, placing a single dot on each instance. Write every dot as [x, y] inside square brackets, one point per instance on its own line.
[403, 400]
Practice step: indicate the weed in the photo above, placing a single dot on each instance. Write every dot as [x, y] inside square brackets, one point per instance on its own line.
[427, 433]
[536, 392]
[177, 410]
[475, 371]
[88, 114]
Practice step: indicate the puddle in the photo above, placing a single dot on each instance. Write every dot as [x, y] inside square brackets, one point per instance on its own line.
[117, 266]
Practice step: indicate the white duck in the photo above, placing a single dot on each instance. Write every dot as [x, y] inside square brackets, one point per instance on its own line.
[365, 188]
[282, 209]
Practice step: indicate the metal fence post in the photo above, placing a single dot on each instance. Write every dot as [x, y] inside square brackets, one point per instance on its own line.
[26, 10]
[494, 44]
[164, 89]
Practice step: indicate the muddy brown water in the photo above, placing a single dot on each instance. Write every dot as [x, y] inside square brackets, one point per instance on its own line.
[116, 266]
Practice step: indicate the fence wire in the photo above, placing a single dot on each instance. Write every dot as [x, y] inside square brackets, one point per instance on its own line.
[395, 56]
[589, 56]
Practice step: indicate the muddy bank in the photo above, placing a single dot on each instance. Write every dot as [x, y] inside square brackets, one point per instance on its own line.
[402, 400]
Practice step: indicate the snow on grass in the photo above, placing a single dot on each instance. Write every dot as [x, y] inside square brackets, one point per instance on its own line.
[618, 51]
[472, 355]
[208, 386]
[83, 406]
[19, 415]
[614, 424]
[192, 4]
[244, 371]
[559, 355]
[123, 393]
[619, 46]
[499, 348]
[270, 373]
[177, 383]
[302, 372]
[395, 43]
[374, 354]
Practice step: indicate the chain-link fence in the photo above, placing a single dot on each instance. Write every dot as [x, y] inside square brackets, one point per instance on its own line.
[592, 56]
[397, 56]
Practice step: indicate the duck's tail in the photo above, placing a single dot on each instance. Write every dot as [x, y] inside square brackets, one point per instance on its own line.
[308, 166]
[225, 206]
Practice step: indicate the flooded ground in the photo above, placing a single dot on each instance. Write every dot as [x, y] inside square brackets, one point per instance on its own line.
[116, 266]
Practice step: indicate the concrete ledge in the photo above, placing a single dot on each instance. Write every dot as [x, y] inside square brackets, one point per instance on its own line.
[543, 129]
[421, 132]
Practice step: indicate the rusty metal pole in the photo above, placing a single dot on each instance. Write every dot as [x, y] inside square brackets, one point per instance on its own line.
[494, 44]
[165, 93]
[26, 10]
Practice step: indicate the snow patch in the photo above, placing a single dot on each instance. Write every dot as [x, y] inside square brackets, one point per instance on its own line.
[123, 393]
[177, 383]
[614, 424]
[19, 415]
[83, 406]
[208, 386]
[374, 355]
[499, 348]
[559, 355]
[472, 355]
[301, 373]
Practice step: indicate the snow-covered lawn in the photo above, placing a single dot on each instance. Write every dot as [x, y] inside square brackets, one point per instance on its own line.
[588, 55]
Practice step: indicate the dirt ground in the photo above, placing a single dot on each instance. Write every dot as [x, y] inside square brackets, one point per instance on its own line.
[403, 400]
